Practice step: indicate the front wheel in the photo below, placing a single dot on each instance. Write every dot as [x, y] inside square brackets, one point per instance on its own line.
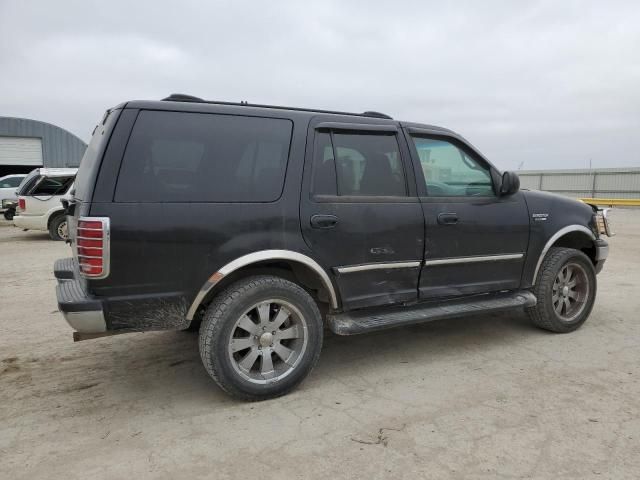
[565, 289]
[261, 337]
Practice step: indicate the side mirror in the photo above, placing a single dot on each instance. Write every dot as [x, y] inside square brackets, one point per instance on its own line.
[510, 183]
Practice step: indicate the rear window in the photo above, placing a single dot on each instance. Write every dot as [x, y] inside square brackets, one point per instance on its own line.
[200, 157]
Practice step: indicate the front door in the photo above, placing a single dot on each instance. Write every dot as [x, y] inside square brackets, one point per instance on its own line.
[475, 239]
[360, 214]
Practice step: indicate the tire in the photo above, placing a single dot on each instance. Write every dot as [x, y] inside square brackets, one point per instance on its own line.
[551, 292]
[8, 214]
[227, 348]
[57, 226]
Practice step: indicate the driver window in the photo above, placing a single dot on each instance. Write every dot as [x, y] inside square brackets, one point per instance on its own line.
[450, 172]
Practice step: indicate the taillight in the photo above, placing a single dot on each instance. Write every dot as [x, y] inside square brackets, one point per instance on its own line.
[22, 205]
[92, 246]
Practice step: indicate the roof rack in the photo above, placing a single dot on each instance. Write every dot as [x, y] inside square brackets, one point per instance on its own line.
[181, 97]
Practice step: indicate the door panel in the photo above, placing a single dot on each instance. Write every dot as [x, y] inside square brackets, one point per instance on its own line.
[360, 214]
[363, 245]
[483, 251]
[475, 240]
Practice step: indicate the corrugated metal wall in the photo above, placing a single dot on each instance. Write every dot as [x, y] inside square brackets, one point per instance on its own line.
[60, 148]
[596, 183]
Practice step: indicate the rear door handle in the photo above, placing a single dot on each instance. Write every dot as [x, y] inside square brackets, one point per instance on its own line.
[448, 218]
[324, 221]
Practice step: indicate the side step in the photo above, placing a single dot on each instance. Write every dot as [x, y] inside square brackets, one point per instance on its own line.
[361, 321]
[63, 269]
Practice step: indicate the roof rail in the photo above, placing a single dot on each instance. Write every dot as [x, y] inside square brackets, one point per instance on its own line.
[182, 97]
[370, 113]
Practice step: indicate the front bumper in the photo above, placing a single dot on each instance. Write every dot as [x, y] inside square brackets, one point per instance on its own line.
[602, 252]
[82, 312]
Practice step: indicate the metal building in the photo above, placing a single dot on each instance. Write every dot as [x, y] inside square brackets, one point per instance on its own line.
[27, 144]
[621, 183]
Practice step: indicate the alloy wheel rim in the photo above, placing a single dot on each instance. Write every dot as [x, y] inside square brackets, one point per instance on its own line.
[268, 341]
[570, 291]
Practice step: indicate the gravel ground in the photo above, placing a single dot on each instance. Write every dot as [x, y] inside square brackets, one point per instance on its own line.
[482, 397]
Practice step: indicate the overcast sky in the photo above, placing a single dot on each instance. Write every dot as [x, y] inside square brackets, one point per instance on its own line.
[543, 84]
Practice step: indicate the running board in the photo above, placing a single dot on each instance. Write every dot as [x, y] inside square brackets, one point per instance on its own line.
[361, 321]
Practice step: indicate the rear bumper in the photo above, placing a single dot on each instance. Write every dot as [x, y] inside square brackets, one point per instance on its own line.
[602, 252]
[30, 222]
[82, 312]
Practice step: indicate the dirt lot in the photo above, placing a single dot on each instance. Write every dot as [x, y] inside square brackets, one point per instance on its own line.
[483, 397]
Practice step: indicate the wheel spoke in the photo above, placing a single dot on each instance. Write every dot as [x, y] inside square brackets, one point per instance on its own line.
[567, 305]
[282, 315]
[572, 283]
[247, 324]
[573, 294]
[239, 344]
[266, 366]
[561, 275]
[263, 312]
[283, 352]
[554, 298]
[569, 274]
[249, 359]
[558, 307]
[288, 333]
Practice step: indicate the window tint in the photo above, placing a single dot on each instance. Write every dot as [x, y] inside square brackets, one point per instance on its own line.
[53, 186]
[450, 172]
[324, 171]
[364, 165]
[197, 157]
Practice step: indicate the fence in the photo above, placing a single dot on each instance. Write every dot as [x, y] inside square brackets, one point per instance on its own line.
[608, 183]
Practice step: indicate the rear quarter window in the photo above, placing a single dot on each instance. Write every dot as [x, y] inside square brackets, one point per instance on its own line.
[201, 157]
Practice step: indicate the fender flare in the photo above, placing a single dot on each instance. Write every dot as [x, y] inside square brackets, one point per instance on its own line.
[560, 233]
[261, 256]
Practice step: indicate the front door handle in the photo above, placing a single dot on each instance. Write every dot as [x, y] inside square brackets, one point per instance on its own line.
[448, 218]
[324, 221]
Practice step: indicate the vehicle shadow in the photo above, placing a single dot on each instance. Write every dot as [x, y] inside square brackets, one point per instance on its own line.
[167, 364]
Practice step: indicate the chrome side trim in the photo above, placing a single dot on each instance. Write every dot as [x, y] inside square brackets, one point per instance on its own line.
[377, 266]
[256, 257]
[486, 258]
[556, 236]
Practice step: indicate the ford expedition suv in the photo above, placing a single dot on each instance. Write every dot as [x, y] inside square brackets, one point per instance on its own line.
[263, 225]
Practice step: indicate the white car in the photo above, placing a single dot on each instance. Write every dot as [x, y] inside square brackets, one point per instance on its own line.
[39, 206]
[8, 186]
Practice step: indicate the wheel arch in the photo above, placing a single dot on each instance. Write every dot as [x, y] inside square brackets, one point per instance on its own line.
[53, 213]
[286, 263]
[578, 237]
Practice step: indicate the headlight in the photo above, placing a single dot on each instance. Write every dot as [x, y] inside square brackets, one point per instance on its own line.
[602, 222]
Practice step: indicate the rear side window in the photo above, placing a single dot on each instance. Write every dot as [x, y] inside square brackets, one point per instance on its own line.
[200, 157]
[53, 186]
[358, 164]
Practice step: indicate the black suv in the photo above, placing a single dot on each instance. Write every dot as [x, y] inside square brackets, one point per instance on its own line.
[264, 224]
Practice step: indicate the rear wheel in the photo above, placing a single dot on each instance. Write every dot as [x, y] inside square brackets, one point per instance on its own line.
[9, 213]
[58, 228]
[261, 337]
[565, 289]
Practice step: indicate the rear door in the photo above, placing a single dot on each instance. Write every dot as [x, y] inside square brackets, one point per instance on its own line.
[359, 211]
[475, 240]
